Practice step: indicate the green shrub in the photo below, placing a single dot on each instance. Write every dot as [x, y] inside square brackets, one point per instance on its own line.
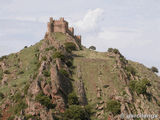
[25, 47]
[1, 75]
[73, 99]
[64, 72]
[139, 87]
[45, 100]
[27, 117]
[21, 72]
[17, 97]
[69, 63]
[58, 55]
[114, 107]
[26, 88]
[70, 46]
[46, 73]
[154, 69]
[3, 57]
[20, 106]
[76, 112]
[132, 85]
[114, 50]
[11, 118]
[44, 58]
[47, 49]
[1, 95]
[50, 48]
[6, 72]
[131, 69]
[92, 48]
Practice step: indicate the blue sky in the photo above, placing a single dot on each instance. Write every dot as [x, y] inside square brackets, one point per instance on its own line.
[132, 26]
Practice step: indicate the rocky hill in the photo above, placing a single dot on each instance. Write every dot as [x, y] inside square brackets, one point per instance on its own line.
[59, 79]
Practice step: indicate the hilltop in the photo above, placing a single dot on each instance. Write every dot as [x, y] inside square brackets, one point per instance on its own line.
[60, 79]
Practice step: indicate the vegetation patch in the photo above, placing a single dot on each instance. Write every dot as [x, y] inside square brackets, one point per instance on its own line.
[58, 55]
[114, 107]
[11, 118]
[92, 48]
[70, 46]
[50, 48]
[76, 112]
[131, 70]
[6, 72]
[44, 100]
[139, 87]
[21, 105]
[46, 73]
[73, 99]
[154, 69]
[64, 72]
[1, 95]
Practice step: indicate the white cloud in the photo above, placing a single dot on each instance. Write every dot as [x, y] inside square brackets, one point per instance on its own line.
[90, 19]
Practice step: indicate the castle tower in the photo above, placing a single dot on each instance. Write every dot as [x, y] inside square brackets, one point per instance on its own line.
[71, 29]
[50, 26]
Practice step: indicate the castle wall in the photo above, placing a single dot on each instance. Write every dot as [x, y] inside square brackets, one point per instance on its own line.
[62, 26]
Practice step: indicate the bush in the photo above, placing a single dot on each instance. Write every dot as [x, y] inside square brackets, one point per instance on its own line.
[3, 57]
[21, 72]
[70, 46]
[31, 117]
[20, 106]
[44, 58]
[76, 112]
[64, 72]
[1, 95]
[26, 88]
[46, 73]
[44, 100]
[58, 55]
[6, 72]
[114, 50]
[114, 107]
[69, 63]
[154, 69]
[17, 97]
[139, 87]
[92, 48]
[131, 70]
[50, 48]
[1, 74]
[11, 118]
[25, 47]
[110, 49]
[73, 99]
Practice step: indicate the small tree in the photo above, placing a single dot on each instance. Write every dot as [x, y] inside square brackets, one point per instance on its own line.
[92, 48]
[154, 69]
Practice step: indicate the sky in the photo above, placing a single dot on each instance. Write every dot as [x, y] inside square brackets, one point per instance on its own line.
[132, 26]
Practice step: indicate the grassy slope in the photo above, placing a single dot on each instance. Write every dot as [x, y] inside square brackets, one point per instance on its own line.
[24, 61]
[97, 70]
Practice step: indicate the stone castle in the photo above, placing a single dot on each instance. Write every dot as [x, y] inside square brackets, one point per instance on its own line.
[62, 26]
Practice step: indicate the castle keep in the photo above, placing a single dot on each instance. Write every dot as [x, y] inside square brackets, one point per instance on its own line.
[62, 26]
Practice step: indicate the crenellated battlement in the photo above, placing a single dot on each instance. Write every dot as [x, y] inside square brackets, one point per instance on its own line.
[61, 26]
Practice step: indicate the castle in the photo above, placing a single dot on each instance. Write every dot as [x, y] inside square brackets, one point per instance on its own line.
[62, 26]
